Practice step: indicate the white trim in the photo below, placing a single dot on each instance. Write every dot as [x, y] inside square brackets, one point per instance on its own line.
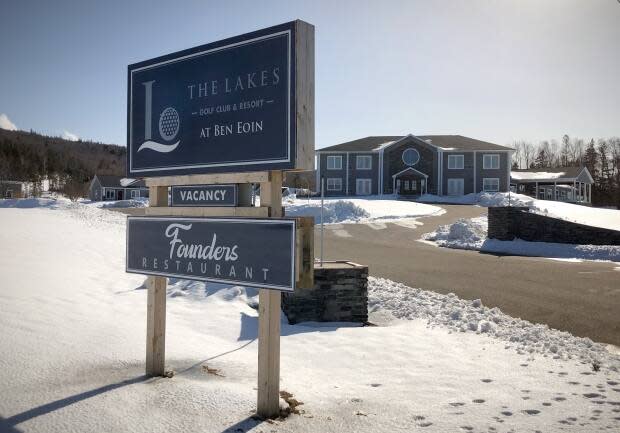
[327, 188]
[380, 171]
[508, 168]
[204, 53]
[484, 179]
[412, 169]
[326, 152]
[484, 157]
[587, 172]
[456, 156]
[440, 171]
[334, 158]
[357, 161]
[347, 175]
[317, 184]
[413, 149]
[475, 190]
[455, 150]
[557, 179]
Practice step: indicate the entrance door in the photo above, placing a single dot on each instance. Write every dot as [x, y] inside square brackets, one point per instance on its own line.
[363, 187]
[456, 186]
[119, 194]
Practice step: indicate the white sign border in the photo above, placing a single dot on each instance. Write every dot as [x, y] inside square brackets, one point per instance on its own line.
[214, 185]
[290, 221]
[207, 52]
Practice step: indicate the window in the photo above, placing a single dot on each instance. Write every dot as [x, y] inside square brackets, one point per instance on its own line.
[410, 156]
[414, 185]
[490, 184]
[334, 162]
[8, 193]
[135, 193]
[490, 162]
[334, 184]
[456, 162]
[456, 186]
[406, 185]
[363, 186]
[363, 162]
[109, 193]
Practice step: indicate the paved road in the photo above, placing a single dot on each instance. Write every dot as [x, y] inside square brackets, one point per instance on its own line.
[582, 298]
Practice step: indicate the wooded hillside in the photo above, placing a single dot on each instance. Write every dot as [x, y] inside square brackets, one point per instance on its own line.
[29, 156]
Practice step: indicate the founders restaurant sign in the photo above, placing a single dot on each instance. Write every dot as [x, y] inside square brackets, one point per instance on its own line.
[251, 252]
[225, 106]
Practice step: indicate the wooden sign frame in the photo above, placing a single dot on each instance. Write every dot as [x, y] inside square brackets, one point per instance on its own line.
[268, 393]
[269, 176]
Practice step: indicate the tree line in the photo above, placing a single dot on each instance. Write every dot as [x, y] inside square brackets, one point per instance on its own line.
[68, 165]
[601, 157]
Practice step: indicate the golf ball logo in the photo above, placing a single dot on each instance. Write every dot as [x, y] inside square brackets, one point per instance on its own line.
[169, 123]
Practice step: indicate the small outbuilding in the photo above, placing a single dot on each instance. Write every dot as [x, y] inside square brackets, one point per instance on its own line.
[14, 189]
[107, 187]
[568, 184]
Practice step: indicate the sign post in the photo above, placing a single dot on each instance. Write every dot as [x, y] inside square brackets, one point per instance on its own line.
[156, 304]
[268, 404]
[208, 122]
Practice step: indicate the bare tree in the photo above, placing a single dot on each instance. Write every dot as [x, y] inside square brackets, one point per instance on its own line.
[528, 153]
[565, 151]
[74, 189]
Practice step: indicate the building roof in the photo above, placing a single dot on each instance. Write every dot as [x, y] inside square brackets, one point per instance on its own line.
[109, 181]
[13, 182]
[444, 142]
[538, 174]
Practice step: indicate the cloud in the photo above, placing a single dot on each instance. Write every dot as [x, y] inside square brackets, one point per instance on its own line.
[69, 136]
[5, 123]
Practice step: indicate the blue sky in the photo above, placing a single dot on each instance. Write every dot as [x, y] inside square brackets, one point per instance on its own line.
[493, 70]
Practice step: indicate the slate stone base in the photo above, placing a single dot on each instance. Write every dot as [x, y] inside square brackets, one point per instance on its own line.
[340, 294]
[508, 223]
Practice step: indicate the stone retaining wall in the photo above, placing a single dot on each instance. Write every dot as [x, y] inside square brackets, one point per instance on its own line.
[340, 294]
[507, 223]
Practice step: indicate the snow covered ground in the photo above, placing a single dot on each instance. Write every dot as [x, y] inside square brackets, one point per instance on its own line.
[471, 234]
[72, 351]
[606, 218]
[358, 210]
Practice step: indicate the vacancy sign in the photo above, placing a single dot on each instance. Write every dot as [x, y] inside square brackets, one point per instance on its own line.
[203, 195]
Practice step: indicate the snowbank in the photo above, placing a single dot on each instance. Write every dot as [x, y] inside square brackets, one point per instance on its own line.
[134, 202]
[459, 315]
[471, 234]
[73, 343]
[598, 217]
[356, 210]
[486, 199]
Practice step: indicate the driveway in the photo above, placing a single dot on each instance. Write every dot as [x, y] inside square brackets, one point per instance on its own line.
[582, 298]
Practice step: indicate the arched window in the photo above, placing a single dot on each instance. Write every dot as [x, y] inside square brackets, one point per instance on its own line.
[411, 156]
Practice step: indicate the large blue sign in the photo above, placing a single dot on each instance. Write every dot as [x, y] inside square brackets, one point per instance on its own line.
[224, 106]
[250, 252]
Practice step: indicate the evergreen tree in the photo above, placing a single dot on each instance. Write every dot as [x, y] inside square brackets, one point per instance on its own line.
[590, 160]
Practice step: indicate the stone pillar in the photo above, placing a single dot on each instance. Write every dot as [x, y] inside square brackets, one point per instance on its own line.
[340, 294]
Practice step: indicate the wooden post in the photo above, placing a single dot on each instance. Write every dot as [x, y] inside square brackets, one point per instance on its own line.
[268, 401]
[156, 304]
